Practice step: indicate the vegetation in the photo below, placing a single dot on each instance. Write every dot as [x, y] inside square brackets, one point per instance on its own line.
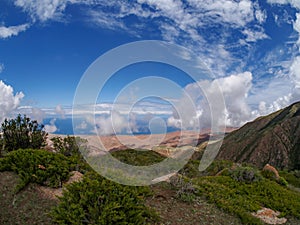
[97, 200]
[37, 166]
[22, 133]
[28, 207]
[71, 147]
[292, 177]
[68, 146]
[138, 157]
[242, 198]
[237, 189]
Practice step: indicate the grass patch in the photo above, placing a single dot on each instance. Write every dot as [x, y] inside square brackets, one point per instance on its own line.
[25, 208]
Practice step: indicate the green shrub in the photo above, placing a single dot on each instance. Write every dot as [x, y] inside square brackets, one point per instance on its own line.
[245, 174]
[138, 157]
[68, 146]
[22, 133]
[71, 147]
[282, 181]
[291, 177]
[191, 169]
[96, 200]
[217, 166]
[37, 166]
[242, 198]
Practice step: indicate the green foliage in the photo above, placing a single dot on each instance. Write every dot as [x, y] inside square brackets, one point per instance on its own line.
[191, 169]
[71, 147]
[96, 200]
[243, 198]
[282, 181]
[245, 174]
[68, 146]
[217, 166]
[269, 175]
[138, 157]
[292, 177]
[36, 166]
[22, 133]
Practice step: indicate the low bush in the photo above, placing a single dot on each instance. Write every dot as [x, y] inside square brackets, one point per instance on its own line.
[138, 157]
[291, 177]
[96, 200]
[37, 166]
[242, 198]
[245, 174]
[185, 190]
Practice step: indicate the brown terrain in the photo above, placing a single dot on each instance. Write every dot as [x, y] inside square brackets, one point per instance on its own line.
[165, 144]
[272, 139]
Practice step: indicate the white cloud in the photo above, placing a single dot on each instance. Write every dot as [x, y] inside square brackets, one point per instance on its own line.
[293, 3]
[237, 13]
[6, 32]
[37, 114]
[261, 16]
[105, 20]
[51, 128]
[114, 123]
[296, 26]
[253, 36]
[8, 101]
[43, 9]
[295, 76]
[59, 110]
[82, 126]
[234, 88]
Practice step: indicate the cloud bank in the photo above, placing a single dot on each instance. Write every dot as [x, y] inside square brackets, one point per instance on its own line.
[8, 100]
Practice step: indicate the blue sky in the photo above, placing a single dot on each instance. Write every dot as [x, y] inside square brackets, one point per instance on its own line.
[250, 46]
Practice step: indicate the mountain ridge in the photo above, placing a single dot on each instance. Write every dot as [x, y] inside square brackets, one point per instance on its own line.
[273, 139]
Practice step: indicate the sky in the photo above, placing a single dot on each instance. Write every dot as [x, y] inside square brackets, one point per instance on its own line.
[250, 48]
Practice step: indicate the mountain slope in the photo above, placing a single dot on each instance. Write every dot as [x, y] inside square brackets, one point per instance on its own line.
[273, 139]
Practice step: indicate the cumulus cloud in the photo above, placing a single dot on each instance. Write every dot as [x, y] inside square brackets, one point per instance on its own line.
[234, 88]
[114, 123]
[295, 76]
[8, 101]
[6, 32]
[51, 128]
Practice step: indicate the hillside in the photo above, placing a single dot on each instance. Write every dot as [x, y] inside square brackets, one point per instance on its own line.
[273, 139]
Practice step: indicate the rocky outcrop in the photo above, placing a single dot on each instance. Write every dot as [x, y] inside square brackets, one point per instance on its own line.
[269, 216]
[273, 139]
[271, 169]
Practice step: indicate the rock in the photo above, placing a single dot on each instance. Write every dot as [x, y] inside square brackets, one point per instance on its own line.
[271, 169]
[75, 177]
[269, 216]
